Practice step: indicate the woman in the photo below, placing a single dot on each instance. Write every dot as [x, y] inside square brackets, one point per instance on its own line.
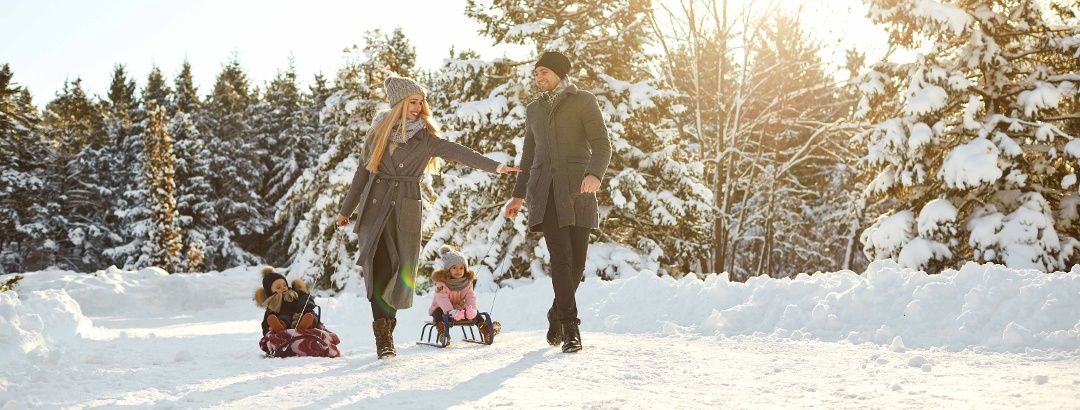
[401, 145]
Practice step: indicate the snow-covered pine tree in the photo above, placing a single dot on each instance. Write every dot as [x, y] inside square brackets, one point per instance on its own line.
[124, 161]
[164, 236]
[660, 208]
[197, 217]
[23, 159]
[235, 170]
[284, 130]
[73, 225]
[322, 253]
[474, 101]
[976, 139]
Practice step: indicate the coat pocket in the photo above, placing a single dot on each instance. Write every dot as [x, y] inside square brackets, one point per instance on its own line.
[575, 174]
[409, 214]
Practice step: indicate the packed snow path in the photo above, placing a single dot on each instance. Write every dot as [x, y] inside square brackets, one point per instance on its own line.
[985, 337]
[210, 359]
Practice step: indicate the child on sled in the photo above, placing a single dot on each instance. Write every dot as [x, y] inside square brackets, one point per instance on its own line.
[454, 293]
[286, 307]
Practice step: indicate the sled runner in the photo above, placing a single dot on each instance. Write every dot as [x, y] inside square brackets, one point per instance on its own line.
[474, 329]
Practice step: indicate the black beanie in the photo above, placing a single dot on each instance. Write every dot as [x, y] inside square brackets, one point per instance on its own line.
[556, 62]
[269, 277]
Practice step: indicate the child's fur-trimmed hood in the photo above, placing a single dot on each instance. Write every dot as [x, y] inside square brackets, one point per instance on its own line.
[260, 294]
[442, 275]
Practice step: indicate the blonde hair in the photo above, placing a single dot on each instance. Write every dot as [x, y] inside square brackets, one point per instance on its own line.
[378, 136]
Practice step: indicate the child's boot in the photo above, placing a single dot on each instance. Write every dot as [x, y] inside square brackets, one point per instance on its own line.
[276, 325]
[442, 336]
[482, 326]
[306, 321]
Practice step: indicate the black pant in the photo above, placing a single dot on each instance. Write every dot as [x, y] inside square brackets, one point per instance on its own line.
[567, 247]
[382, 272]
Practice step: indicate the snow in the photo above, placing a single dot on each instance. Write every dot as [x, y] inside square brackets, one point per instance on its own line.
[1044, 96]
[969, 165]
[982, 336]
[947, 15]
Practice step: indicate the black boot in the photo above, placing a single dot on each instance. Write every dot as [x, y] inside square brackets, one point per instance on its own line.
[384, 337]
[571, 336]
[555, 330]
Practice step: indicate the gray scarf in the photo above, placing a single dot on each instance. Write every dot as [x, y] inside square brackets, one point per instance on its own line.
[457, 284]
[549, 97]
[411, 128]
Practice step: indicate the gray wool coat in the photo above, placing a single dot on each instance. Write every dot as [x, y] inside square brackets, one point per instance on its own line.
[561, 146]
[389, 208]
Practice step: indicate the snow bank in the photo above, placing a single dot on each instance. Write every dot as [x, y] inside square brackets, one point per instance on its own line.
[979, 307]
[35, 326]
[112, 291]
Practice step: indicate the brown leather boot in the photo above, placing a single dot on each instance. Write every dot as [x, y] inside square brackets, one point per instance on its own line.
[276, 325]
[306, 321]
[496, 327]
[384, 337]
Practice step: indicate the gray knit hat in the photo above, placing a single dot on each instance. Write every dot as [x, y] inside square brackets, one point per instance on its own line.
[450, 257]
[397, 88]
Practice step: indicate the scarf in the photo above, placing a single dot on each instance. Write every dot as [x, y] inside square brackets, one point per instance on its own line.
[457, 284]
[549, 97]
[274, 303]
[411, 128]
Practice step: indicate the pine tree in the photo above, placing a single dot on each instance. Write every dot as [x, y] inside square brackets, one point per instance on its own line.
[235, 170]
[472, 100]
[23, 159]
[659, 208]
[123, 160]
[197, 217]
[975, 140]
[322, 253]
[290, 141]
[305, 141]
[74, 226]
[165, 239]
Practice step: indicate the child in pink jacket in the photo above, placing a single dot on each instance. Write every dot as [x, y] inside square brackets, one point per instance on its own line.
[453, 288]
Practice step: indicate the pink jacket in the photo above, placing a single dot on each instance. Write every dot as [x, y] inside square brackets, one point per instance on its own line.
[451, 299]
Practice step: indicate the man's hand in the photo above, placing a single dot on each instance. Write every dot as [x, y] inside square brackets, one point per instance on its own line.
[513, 207]
[590, 184]
[342, 220]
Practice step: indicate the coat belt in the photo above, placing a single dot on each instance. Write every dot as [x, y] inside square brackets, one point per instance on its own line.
[398, 178]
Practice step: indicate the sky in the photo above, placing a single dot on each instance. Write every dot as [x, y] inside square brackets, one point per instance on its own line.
[50, 42]
[982, 337]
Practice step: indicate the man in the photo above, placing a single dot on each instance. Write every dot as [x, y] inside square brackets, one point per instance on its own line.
[565, 155]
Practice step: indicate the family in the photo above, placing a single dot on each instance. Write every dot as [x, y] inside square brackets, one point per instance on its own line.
[565, 154]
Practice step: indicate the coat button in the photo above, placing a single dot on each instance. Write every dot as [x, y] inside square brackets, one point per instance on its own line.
[401, 165]
[375, 200]
[378, 180]
[395, 184]
[393, 202]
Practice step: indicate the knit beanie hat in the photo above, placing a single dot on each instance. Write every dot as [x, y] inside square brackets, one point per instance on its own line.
[556, 62]
[269, 277]
[397, 88]
[450, 257]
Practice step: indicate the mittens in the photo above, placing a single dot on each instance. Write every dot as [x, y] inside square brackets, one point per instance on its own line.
[457, 314]
[470, 312]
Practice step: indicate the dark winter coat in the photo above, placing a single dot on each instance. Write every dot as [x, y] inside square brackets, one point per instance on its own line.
[291, 310]
[389, 208]
[562, 145]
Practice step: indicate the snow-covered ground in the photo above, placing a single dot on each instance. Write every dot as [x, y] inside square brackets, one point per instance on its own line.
[980, 337]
